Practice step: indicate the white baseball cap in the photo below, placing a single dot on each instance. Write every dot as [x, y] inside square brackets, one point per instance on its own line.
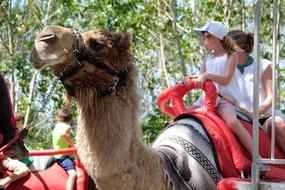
[213, 27]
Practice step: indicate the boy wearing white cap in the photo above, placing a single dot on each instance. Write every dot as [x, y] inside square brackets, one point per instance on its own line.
[221, 69]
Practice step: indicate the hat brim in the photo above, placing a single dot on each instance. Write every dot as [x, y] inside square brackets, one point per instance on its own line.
[198, 31]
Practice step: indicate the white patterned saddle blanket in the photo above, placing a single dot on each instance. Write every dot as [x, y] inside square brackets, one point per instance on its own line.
[188, 156]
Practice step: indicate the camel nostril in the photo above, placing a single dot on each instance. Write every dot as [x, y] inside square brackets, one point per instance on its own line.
[46, 37]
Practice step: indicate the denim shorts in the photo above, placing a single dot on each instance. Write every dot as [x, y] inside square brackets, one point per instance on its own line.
[66, 162]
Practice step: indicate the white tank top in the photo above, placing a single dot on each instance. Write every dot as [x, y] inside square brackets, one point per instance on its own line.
[247, 84]
[217, 66]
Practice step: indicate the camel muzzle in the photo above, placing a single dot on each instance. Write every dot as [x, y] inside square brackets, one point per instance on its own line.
[35, 59]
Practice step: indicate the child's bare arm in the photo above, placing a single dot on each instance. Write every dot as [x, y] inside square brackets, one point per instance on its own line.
[230, 70]
[68, 140]
[65, 136]
[201, 72]
[203, 68]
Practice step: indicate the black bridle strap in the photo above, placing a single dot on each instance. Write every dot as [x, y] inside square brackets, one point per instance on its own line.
[122, 76]
[81, 55]
[70, 73]
[85, 56]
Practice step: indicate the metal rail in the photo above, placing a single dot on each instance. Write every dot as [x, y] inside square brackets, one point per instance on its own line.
[274, 79]
[255, 156]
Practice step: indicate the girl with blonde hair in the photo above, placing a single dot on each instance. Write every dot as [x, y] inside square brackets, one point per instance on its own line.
[220, 67]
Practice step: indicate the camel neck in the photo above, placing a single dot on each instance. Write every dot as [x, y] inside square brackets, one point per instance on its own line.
[111, 123]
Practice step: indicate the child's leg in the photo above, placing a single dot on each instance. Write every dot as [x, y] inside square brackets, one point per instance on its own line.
[68, 164]
[228, 114]
[71, 180]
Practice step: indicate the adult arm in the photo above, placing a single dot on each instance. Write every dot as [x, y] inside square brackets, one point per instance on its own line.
[18, 169]
[229, 73]
[267, 84]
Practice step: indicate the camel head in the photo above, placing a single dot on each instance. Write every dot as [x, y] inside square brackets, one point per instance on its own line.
[97, 58]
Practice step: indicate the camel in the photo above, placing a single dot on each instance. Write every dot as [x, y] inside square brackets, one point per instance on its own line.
[97, 70]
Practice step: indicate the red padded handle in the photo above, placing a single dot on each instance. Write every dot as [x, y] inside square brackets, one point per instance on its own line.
[170, 101]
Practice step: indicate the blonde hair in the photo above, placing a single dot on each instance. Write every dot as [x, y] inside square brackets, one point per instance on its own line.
[229, 45]
[244, 40]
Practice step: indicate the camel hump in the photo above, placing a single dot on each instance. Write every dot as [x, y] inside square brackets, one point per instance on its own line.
[187, 155]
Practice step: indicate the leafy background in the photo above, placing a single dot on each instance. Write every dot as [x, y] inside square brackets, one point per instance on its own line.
[163, 44]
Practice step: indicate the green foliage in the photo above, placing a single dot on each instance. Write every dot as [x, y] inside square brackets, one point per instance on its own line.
[153, 124]
[21, 20]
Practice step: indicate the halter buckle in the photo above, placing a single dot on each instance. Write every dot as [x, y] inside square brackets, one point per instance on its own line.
[113, 88]
[79, 63]
[75, 51]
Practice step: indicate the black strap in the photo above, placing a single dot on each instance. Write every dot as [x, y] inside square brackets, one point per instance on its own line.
[71, 72]
[122, 76]
[81, 55]
[84, 56]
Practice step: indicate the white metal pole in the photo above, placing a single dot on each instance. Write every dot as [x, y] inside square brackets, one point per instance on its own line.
[274, 78]
[255, 155]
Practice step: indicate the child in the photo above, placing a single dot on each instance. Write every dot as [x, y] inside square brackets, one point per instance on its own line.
[221, 69]
[60, 141]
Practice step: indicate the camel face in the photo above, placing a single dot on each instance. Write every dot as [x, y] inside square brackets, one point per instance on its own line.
[52, 46]
[99, 58]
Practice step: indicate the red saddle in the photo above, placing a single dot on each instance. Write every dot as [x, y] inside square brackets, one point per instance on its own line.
[232, 156]
[52, 178]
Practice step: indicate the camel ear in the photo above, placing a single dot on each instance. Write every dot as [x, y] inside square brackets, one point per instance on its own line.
[125, 41]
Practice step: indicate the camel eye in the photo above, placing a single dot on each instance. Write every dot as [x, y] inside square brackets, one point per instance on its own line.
[95, 45]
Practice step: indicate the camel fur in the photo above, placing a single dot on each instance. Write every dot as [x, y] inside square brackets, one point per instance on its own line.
[109, 138]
